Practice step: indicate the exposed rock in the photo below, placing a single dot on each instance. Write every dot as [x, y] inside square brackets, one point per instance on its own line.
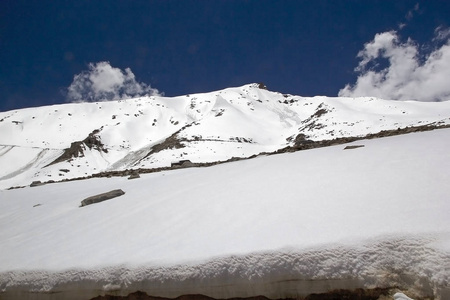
[172, 142]
[134, 175]
[301, 143]
[16, 187]
[353, 147]
[102, 197]
[76, 149]
[301, 139]
[181, 164]
[320, 112]
[262, 86]
[144, 296]
[36, 183]
[357, 294]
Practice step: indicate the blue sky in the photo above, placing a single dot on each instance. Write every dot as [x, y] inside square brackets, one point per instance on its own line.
[181, 47]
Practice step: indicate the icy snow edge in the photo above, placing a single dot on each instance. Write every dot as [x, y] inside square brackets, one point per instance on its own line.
[411, 263]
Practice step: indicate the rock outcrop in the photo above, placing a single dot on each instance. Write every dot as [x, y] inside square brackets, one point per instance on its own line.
[102, 197]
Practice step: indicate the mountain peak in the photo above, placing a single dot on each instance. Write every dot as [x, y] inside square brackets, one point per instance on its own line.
[152, 132]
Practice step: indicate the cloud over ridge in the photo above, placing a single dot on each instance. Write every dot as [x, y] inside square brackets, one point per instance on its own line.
[409, 75]
[102, 82]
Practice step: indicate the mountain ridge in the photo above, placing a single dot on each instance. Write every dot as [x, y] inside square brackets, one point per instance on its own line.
[282, 226]
[152, 132]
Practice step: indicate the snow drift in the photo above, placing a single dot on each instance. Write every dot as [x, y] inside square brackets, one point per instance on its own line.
[281, 226]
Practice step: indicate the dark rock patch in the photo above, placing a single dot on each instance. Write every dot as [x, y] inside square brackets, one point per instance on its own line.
[358, 294]
[181, 164]
[102, 197]
[312, 123]
[304, 144]
[320, 112]
[76, 149]
[301, 139]
[172, 142]
[353, 147]
[36, 183]
[301, 143]
[144, 296]
[262, 86]
[134, 175]
[220, 113]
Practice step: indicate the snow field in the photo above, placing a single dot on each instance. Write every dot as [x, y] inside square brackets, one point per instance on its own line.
[215, 126]
[280, 225]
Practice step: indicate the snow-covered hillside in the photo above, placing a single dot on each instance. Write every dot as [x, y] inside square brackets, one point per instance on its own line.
[281, 226]
[77, 140]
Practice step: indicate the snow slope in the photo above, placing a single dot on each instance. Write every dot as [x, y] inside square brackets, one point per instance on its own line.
[281, 226]
[216, 126]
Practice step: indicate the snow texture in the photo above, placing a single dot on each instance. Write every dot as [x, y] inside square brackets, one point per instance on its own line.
[209, 127]
[281, 226]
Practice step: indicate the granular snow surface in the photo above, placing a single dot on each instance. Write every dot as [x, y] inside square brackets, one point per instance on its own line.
[208, 127]
[279, 225]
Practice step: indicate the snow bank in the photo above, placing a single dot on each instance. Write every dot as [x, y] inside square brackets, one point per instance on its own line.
[407, 262]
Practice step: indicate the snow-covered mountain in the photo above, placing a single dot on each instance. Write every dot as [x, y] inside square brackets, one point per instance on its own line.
[282, 226]
[59, 142]
[371, 220]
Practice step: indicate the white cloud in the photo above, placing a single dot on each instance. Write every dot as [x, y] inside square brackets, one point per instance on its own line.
[411, 12]
[409, 16]
[401, 26]
[408, 76]
[441, 34]
[103, 82]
